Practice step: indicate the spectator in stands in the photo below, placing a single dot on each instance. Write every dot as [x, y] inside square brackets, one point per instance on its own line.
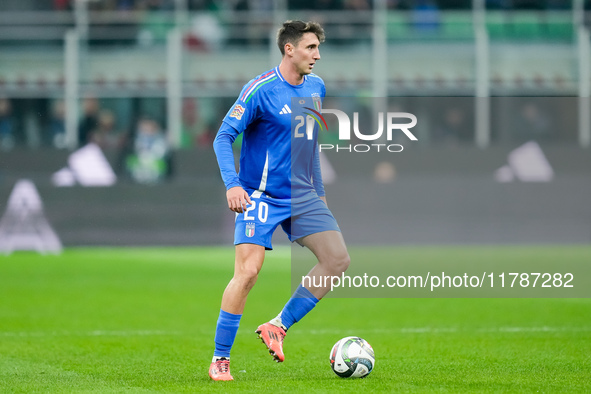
[453, 128]
[7, 140]
[89, 121]
[150, 161]
[155, 24]
[206, 33]
[532, 124]
[106, 135]
[150, 138]
[425, 16]
[57, 125]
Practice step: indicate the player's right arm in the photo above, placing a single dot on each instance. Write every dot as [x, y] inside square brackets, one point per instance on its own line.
[222, 145]
[244, 111]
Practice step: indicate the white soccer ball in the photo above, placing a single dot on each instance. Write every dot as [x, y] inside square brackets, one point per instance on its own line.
[352, 357]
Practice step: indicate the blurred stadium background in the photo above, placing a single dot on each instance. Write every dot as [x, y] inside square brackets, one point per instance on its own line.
[153, 79]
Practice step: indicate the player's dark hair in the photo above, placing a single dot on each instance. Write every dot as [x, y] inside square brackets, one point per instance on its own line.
[292, 32]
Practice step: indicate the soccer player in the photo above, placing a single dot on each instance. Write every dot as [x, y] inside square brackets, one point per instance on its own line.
[276, 186]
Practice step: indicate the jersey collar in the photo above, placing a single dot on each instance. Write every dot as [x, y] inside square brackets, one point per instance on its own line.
[301, 85]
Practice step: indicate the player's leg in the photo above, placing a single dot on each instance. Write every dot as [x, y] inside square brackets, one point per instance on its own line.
[253, 234]
[248, 263]
[312, 225]
[333, 259]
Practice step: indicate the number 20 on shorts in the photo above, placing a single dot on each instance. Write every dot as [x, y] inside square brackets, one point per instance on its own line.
[263, 211]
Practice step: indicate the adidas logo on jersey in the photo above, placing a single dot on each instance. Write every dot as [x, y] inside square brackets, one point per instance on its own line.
[285, 110]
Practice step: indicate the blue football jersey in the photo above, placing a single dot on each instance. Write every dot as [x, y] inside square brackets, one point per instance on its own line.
[271, 160]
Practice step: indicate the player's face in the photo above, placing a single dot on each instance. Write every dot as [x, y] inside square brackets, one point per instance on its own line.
[306, 53]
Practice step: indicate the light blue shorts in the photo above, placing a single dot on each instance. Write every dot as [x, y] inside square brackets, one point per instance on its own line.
[258, 223]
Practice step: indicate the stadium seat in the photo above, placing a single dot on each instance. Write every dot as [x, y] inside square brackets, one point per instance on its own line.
[526, 26]
[496, 25]
[397, 26]
[559, 27]
[457, 25]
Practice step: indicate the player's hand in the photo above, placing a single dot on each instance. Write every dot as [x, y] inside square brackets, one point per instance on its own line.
[323, 198]
[238, 198]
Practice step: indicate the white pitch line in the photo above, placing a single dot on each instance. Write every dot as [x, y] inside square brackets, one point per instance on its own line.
[437, 330]
[95, 333]
[404, 330]
[246, 332]
[537, 329]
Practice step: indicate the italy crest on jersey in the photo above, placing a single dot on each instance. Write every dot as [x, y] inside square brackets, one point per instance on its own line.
[317, 101]
[237, 112]
[250, 230]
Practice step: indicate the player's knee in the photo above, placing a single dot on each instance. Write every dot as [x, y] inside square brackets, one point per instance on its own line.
[248, 275]
[341, 263]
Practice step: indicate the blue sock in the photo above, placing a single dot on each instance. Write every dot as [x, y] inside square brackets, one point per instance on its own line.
[225, 333]
[300, 303]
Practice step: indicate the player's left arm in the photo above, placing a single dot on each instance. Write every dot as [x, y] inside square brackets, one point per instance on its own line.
[317, 174]
[317, 177]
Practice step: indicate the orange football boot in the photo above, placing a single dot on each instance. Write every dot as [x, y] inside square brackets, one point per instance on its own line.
[220, 369]
[272, 336]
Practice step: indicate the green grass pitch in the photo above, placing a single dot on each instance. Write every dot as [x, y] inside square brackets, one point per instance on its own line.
[142, 320]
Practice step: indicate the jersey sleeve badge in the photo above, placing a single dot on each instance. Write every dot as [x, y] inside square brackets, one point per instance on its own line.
[237, 112]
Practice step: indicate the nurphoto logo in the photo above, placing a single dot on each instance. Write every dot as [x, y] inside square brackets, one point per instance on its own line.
[394, 123]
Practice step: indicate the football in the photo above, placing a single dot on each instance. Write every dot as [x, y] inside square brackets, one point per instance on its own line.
[352, 357]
